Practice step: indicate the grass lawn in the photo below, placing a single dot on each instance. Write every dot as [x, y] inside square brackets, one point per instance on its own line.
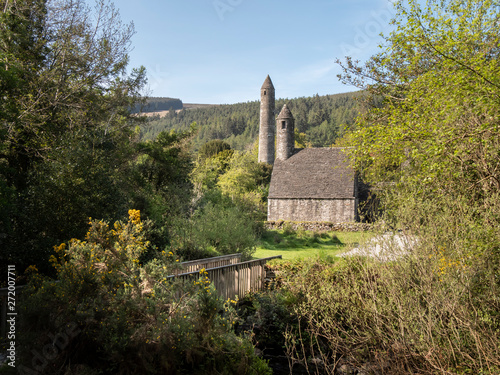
[307, 244]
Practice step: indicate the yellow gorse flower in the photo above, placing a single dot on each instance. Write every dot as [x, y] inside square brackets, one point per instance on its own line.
[60, 248]
[31, 268]
[134, 216]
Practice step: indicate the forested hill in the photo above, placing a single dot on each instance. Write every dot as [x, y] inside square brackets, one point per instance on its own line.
[320, 118]
[158, 104]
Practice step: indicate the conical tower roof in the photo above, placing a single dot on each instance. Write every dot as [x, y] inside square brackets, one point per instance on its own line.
[268, 84]
[285, 113]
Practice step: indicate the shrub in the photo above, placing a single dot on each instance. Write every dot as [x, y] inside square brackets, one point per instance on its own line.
[267, 315]
[288, 228]
[108, 313]
[426, 313]
[212, 148]
[216, 228]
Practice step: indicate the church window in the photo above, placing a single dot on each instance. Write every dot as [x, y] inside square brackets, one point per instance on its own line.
[283, 124]
[264, 92]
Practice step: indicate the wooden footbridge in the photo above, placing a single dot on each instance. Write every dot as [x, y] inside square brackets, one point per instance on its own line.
[228, 274]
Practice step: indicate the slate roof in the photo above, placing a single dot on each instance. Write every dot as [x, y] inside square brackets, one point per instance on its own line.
[268, 84]
[321, 173]
[285, 112]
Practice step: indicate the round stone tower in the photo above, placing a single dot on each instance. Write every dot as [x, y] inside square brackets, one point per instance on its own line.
[285, 126]
[266, 128]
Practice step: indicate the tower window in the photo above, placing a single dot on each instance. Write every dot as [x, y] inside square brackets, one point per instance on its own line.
[283, 124]
[264, 92]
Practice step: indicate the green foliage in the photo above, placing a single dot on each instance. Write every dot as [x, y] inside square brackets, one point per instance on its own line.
[431, 151]
[227, 229]
[234, 179]
[237, 124]
[212, 148]
[438, 125]
[236, 174]
[426, 313]
[161, 171]
[62, 193]
[208, 171]
[231, 189]
[65, 135]
[218, 227]
[111, 314]
[267, 315]
[246, 180]
[166, 163]
[324, 134]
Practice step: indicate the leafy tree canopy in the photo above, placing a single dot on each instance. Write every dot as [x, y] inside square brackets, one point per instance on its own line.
[439, 78]
[65, 123]
[212, 148]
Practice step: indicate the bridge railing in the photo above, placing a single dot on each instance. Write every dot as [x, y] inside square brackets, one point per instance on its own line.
[234, 279]
[231, 279]
[196, 265]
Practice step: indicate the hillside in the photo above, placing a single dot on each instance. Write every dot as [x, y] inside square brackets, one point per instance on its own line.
[159, 104]
[321, 118]
[151, 111]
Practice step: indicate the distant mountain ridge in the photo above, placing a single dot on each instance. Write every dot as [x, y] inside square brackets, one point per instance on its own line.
[320, 119]
[159, 104]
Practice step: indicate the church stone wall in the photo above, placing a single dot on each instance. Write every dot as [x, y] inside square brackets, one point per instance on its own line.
[328, 210]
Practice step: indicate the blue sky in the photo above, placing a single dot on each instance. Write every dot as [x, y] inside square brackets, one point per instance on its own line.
[220, 51]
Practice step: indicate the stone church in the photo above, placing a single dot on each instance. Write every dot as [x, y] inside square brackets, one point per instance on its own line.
[311, 184]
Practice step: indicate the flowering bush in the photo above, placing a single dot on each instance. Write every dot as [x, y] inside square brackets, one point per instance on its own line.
[128, 316]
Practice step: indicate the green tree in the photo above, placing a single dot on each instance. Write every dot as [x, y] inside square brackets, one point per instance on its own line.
[207, 172]
[161, 186]
[65, 124]
[246, 179]
[432, 150]
[231, 190]
[324, 134]
[212, 148]
[439, 80]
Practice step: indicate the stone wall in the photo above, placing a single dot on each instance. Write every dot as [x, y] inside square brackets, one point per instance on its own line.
[320, 226]
[322, 210]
